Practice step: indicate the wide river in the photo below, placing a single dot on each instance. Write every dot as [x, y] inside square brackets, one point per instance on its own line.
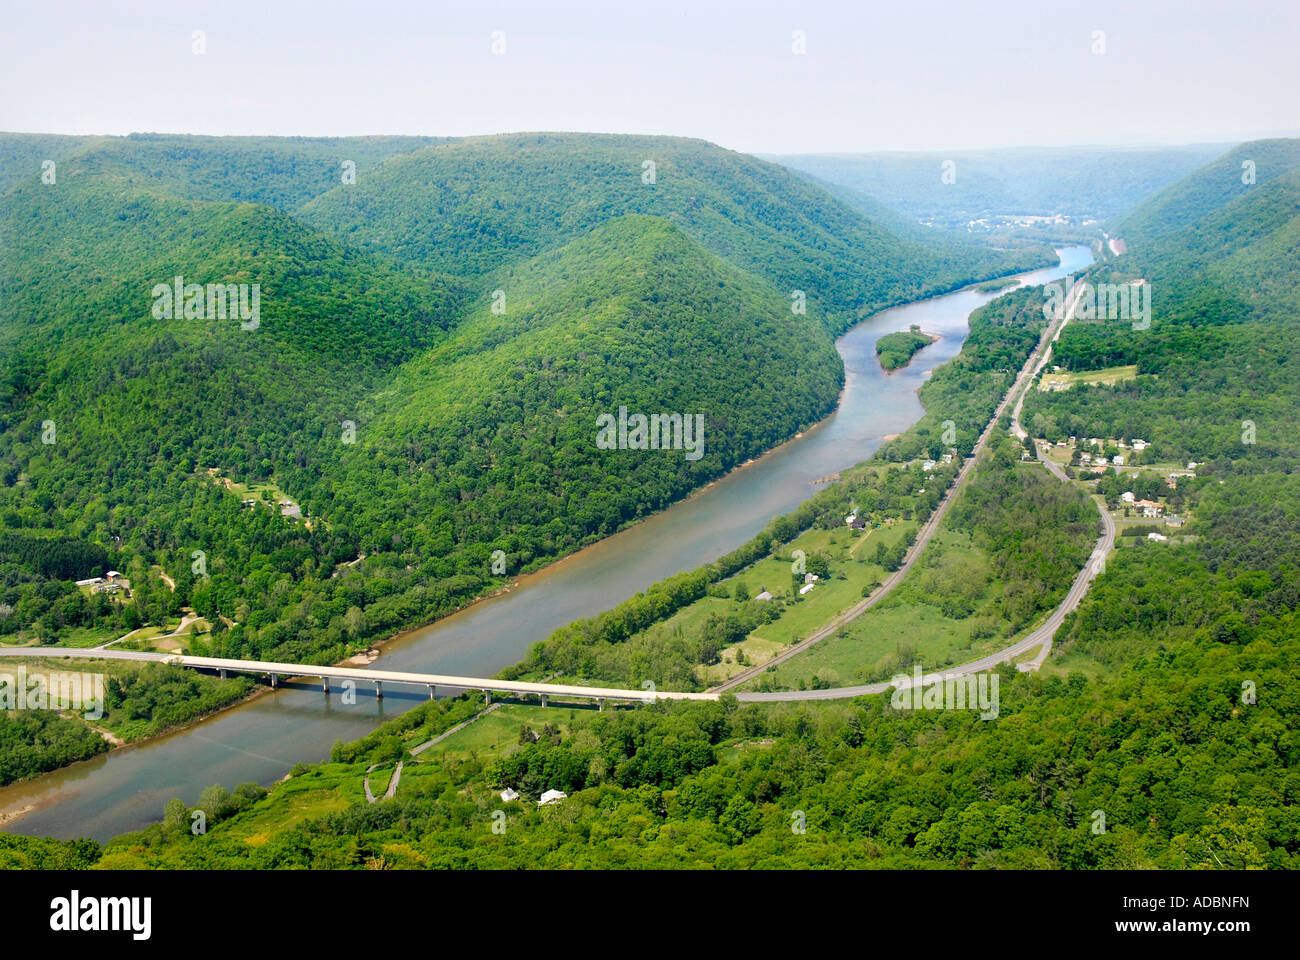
[262, 740]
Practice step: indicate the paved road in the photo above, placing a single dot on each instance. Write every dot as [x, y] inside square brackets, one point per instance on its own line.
[1033, 364]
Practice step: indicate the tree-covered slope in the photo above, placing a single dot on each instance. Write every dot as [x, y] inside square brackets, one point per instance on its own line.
[283, 172]
[473, 206]
[1210, 187]
[22, 155]
[489, 439]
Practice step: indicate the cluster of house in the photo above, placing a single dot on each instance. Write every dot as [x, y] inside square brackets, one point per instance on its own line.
[1150, 509]
[550, 796]
[287, 508]
[111, 582]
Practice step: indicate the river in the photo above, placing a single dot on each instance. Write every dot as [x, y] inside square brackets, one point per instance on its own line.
[263, 739]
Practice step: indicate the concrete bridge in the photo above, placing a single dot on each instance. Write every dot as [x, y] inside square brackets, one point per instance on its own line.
[363, 675]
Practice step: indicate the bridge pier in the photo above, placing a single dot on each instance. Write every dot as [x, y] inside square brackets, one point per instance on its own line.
[432, 691]
[600, 703]
[543, 699]
[222, 671]
[487, 697]
[273, 681]
[379, 689]
[325, 684]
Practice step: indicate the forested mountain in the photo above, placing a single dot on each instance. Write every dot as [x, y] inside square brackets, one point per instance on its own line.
[473, 206]
[432, 352]
[23, 154]
[1087, 182]
[1191, 198]
[486, 441]
[282, 172]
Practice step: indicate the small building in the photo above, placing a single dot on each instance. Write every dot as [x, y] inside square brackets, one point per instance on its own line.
[1118, 460]
[507, 795]
[928, 466]
[92, 582]
[1139, 445]
[1102, 461]
[1157, 537]
[1149, 508]
[1173, 520]
[550, 796]
[807, 587]
[113, 575]
[858, 524]
[765, 595]
[850, 518]
[1127, 496]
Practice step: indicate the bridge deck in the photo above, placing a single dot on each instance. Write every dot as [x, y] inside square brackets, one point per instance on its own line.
[363, 673]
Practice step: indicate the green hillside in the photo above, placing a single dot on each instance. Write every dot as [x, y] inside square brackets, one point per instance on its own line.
[1210, 187]
[473, 206]
[283, 172]
[503, 415]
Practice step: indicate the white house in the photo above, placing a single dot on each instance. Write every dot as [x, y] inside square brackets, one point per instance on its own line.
[507, 795]
[1158, 537]
[92, 582]
[1139, 445]
[1127, 496]
[1118, 460]
[550, 796]
[806, 588]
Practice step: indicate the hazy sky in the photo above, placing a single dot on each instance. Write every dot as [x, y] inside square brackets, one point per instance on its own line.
[875, 75]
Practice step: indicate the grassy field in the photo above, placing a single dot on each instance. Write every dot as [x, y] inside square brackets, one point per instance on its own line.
[904, 627]
[1064, 380]
[496, 732]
